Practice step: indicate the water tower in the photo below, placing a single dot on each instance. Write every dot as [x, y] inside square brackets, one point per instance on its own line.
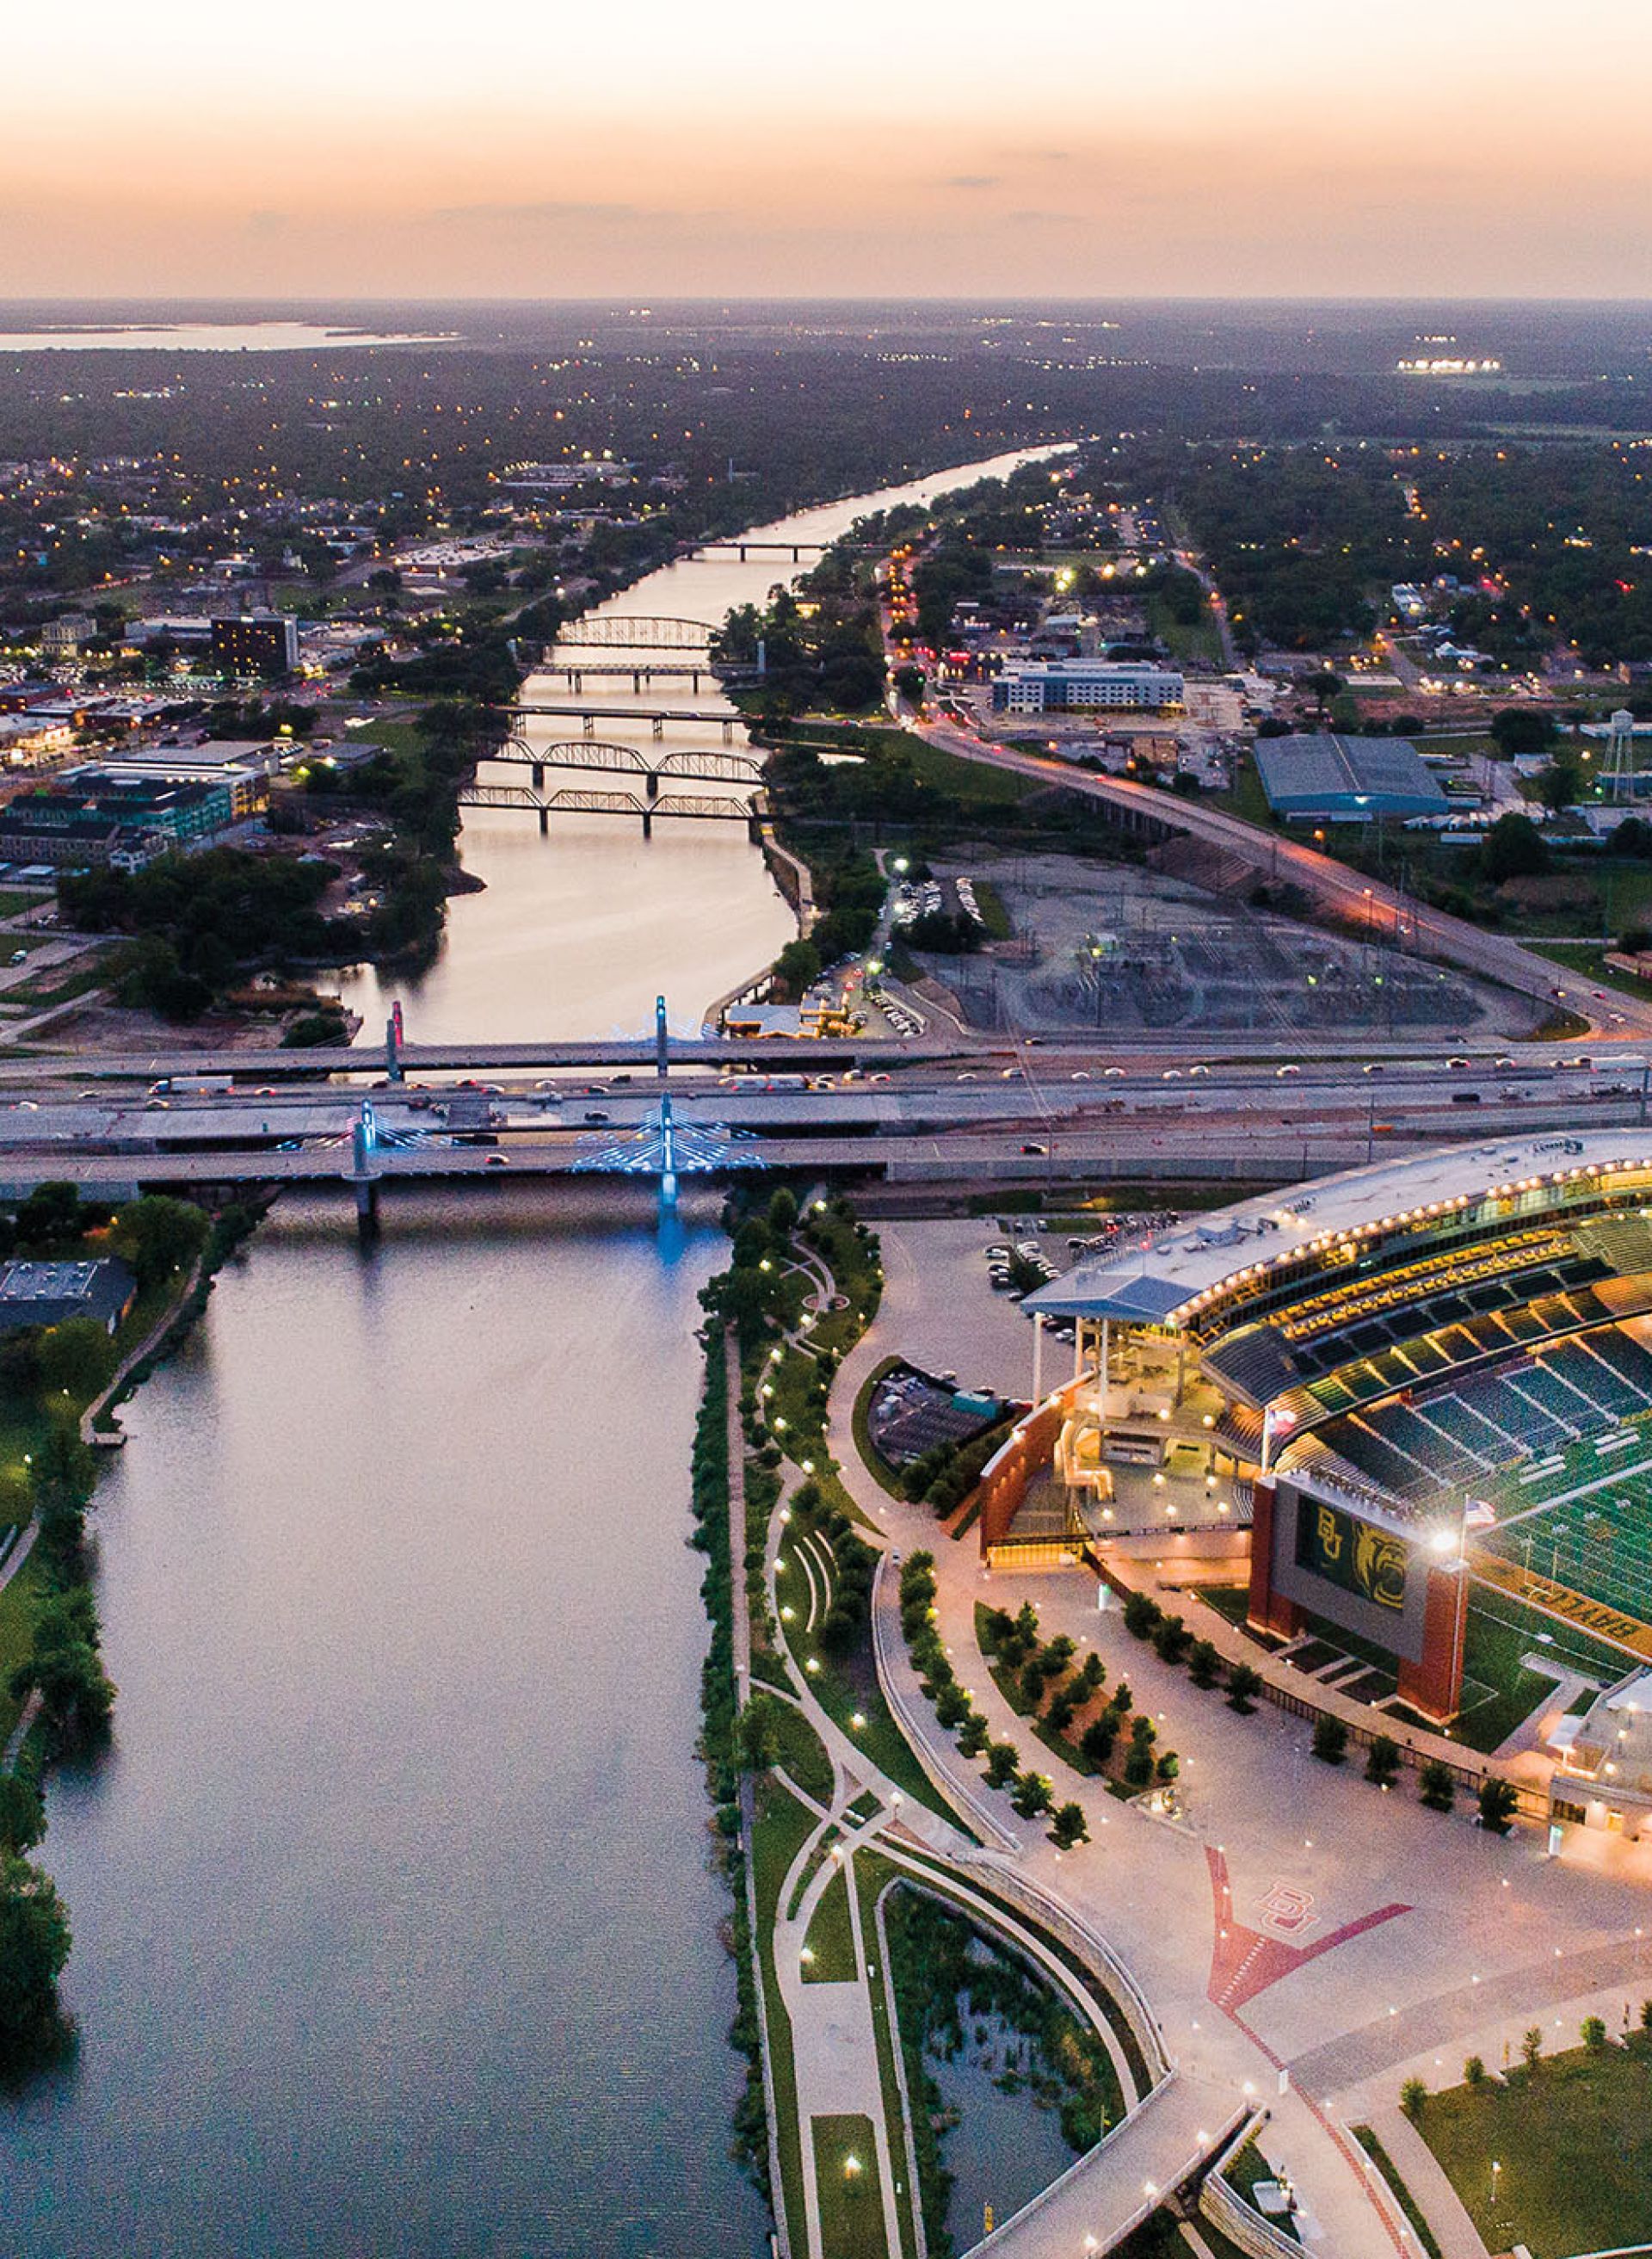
[1621, 769]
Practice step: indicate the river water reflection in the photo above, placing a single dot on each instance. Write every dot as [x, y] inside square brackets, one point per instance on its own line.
[395, 1931]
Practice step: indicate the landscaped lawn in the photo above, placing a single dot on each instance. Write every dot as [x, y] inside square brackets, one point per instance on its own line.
[1574, 2142]
[831, 1937]
[851, 2199]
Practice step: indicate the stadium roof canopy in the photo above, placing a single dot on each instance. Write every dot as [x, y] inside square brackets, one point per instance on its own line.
[1165, 1277]
[1346, 779]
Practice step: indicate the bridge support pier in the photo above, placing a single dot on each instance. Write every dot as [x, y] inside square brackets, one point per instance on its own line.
[694, 677]
[728, 733]
[648, 823]
[367, 1206]
[659, 730]
[637, 683]
[662, 1039]
[651, 784]
[589, 722]
[743, 552]
[544, 822]
[536, 771]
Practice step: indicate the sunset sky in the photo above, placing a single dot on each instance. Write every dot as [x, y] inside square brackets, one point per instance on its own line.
[533, 148]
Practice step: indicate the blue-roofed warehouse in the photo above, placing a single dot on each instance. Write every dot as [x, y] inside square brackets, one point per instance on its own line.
[1324, 779]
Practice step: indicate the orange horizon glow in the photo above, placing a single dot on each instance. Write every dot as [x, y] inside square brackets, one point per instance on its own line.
[403, 151]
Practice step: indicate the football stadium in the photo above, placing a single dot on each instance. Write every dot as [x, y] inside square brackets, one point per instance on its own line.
[1410, 1404]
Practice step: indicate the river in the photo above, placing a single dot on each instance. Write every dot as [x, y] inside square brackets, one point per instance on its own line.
[395, 1928]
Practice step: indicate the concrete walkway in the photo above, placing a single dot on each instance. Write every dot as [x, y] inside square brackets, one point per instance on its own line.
[1141, 1884]
[1435, 2198]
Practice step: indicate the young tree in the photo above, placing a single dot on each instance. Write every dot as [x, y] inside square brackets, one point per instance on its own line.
[1003, 1761]
[1383, 1763]
[1532, 2046]
[1069, 1828]
[1034, 1794]
[1498, 1800]
[1438, 1785]
[972, 1734]
[1244, 1684]
[1097, 1740]
[1474, 2072]
[1593, 2033]
[1143, 1614]
[1413, 2095]
[1204, 1664]
[1330, 1739]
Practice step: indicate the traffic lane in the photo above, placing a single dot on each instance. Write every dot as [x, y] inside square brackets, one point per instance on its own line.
[1387, 912]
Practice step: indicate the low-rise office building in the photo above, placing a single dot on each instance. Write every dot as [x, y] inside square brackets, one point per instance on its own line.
[1077, 685]
[49, 1293]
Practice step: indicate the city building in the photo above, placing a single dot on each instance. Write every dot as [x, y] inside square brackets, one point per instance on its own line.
[48, 1293]
[1073, 685]
[1326, 778]
[99, 815]
[262, 645]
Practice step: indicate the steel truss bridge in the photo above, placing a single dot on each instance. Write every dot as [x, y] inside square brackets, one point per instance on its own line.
[583, 800]
[703, 763]
[623, 632]
[588, 716]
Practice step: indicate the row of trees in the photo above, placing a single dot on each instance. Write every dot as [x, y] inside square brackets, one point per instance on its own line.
[1032, 1793]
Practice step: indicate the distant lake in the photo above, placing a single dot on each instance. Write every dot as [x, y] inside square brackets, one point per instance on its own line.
[205, 337]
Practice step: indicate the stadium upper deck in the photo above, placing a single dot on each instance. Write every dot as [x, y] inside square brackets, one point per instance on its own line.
[1309, 1260]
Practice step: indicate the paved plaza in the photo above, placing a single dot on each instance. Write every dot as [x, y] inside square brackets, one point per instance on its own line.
[1305, 1939]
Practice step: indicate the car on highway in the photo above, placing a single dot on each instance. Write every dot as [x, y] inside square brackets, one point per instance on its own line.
[1107, 1073]
[1289, 1067]
[496, 1161]
[1199, 1069]
[1172, 1074]
[1375, 1067]
[1035, 1148]
[595, 1114]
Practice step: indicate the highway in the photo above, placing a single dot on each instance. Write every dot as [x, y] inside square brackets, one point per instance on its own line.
[1367, 906]
[1024, 1123]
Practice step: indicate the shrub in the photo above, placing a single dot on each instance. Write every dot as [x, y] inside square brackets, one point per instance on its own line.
[1143, 1732]
[1169, 1765]
[1244, 1684]
[972, 1734]
[1413, 2095]
[951, 1706]
[1138, 1766]
[1123, 1699]
[1032, 1682]
[1091, 1674]
[1593, 2033]
[1438, 1785]
[1058, 1716]
[1330, 1739]
[1531, 2046]
[1070, 1828]
[1474, 2072]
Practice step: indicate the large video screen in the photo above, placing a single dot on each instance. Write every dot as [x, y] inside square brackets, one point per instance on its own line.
[1361, 1558]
